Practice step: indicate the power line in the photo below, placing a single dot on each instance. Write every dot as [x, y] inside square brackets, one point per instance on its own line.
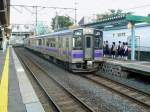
[138, 7]
[42, 7]
[38, 6]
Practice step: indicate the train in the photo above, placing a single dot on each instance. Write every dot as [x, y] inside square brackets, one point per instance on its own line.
[79, 49]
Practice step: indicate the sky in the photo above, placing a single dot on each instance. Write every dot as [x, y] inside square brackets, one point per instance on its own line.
[84, 8]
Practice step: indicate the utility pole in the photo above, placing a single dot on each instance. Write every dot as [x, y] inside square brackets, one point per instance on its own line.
[36, 11]
[75, 9]
[56, 21]
[36, 15]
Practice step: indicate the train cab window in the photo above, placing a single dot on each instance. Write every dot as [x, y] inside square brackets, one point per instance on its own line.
[98, 40]
[88, 42]
[77, 40]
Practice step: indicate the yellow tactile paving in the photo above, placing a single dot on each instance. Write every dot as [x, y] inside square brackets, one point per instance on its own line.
[4, 85]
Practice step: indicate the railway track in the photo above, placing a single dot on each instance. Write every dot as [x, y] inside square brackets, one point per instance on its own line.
[64, 100]
[133, 94]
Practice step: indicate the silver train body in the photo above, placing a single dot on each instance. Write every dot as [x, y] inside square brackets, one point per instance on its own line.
[80, 49]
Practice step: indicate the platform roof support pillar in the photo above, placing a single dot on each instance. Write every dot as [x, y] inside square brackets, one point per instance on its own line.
[133, 40]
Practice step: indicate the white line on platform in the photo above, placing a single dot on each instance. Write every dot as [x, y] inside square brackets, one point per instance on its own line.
[28, 94]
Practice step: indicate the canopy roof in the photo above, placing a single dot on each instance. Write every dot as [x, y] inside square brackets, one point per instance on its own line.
[118, 21]
[4, 12]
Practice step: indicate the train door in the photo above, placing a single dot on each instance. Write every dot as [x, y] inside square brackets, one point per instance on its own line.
[88, 47]
[67, 48]
[59, 47]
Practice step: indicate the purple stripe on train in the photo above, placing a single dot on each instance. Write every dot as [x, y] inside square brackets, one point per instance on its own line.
[51, 49]
[78, 55]
[98, 53]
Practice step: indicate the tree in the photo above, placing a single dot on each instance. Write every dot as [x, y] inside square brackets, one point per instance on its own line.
[61, 22]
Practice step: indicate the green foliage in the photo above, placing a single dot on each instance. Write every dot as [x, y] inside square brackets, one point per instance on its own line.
[61, 21]
[111, 13]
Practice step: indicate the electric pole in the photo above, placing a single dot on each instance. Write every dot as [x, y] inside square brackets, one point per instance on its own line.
[38, 6]
[36, 15]
[56, 21]
[75, 9]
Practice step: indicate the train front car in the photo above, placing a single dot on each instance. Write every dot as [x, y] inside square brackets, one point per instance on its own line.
[87, 50]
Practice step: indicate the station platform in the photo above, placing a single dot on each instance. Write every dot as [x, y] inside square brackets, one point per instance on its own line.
[16, 91]
[142, 67]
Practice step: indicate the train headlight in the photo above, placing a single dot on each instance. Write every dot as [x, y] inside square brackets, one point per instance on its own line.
[89, 63]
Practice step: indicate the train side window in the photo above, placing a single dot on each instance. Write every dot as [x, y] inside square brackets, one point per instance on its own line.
[88, 42]
[40, 42]
[47, 43]
[43, 42]
[67, 42]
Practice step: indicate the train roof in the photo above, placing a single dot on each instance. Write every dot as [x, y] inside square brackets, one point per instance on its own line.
[63, 32]
[69, 31]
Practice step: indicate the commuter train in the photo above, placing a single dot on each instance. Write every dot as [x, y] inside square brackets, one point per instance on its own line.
[80, 50]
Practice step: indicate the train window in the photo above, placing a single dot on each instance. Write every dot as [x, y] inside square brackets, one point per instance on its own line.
[51, 42]
[40, 42]
[43, 42]
[47, 43]
[98, 40]
[88, 42]
[77, 39]
[67, 43]
[29, 42]
[77, 42]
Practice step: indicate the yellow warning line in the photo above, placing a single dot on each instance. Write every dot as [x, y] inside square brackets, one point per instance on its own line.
[4, 85]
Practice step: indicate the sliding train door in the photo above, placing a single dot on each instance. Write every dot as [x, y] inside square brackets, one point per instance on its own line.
[88, 47]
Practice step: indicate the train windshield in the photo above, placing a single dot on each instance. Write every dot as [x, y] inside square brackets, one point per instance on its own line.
[77, 40]
[98, 40]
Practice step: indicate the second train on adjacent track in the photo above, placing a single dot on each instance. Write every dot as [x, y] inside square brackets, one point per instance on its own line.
[80, 50]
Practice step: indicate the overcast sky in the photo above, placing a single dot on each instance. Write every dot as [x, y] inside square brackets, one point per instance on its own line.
[85, 8]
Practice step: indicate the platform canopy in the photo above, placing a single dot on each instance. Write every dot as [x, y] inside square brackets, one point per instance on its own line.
[120, 20]
[4, 12]
[5, 18]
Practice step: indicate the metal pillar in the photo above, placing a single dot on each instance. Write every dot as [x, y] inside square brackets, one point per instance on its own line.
[133, 42]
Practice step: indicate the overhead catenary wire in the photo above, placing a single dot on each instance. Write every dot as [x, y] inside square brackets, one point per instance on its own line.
[40, 6]
[137, 7]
